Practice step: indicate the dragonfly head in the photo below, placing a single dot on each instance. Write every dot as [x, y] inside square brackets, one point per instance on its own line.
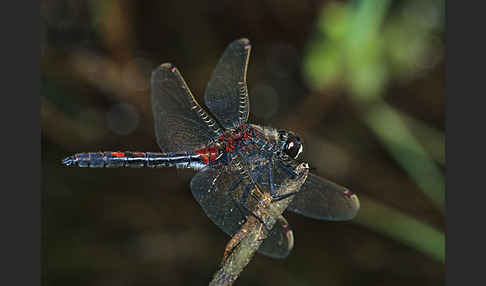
[291, 145]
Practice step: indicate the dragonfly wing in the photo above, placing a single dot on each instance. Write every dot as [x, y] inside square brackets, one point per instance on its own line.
[226, 95]
[181, 124]
[322, 199]
[280, 241]
[211, 188]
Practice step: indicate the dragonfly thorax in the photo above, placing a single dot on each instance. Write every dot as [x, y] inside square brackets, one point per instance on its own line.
[286, 143]
[233, 139]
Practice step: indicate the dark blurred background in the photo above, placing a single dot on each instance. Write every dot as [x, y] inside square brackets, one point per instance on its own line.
[362, 82]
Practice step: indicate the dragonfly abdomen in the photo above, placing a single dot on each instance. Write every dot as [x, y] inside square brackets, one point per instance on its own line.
[135, 160]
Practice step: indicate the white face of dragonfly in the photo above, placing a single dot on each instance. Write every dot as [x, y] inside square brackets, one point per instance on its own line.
[291, 144]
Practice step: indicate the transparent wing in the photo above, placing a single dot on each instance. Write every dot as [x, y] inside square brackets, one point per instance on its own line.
[279, 242]
[180, 122]
[211, 188]
[226, 95]
[322, 199]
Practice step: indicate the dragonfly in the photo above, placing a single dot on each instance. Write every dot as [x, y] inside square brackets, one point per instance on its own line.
[238, 163]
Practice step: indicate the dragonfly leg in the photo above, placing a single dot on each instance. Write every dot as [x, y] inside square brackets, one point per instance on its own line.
[240, 208]
[241, 203]
[245, 194]
[287, 169]
[230, 194]
[284, 196]
[243, 199]
[277, 198]
[270, 177]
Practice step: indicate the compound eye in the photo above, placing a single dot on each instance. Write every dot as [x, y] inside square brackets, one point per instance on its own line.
[294, 148]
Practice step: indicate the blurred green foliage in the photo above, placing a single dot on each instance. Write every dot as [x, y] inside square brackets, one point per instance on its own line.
[403, 227]
[358, 49]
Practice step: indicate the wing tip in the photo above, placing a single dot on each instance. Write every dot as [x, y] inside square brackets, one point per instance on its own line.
[354, 201]
[244, 42]
[166, 66]
[162, 72]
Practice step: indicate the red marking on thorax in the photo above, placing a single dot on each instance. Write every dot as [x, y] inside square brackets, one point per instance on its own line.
[208, 154]
[229, 139]
[118, 154]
